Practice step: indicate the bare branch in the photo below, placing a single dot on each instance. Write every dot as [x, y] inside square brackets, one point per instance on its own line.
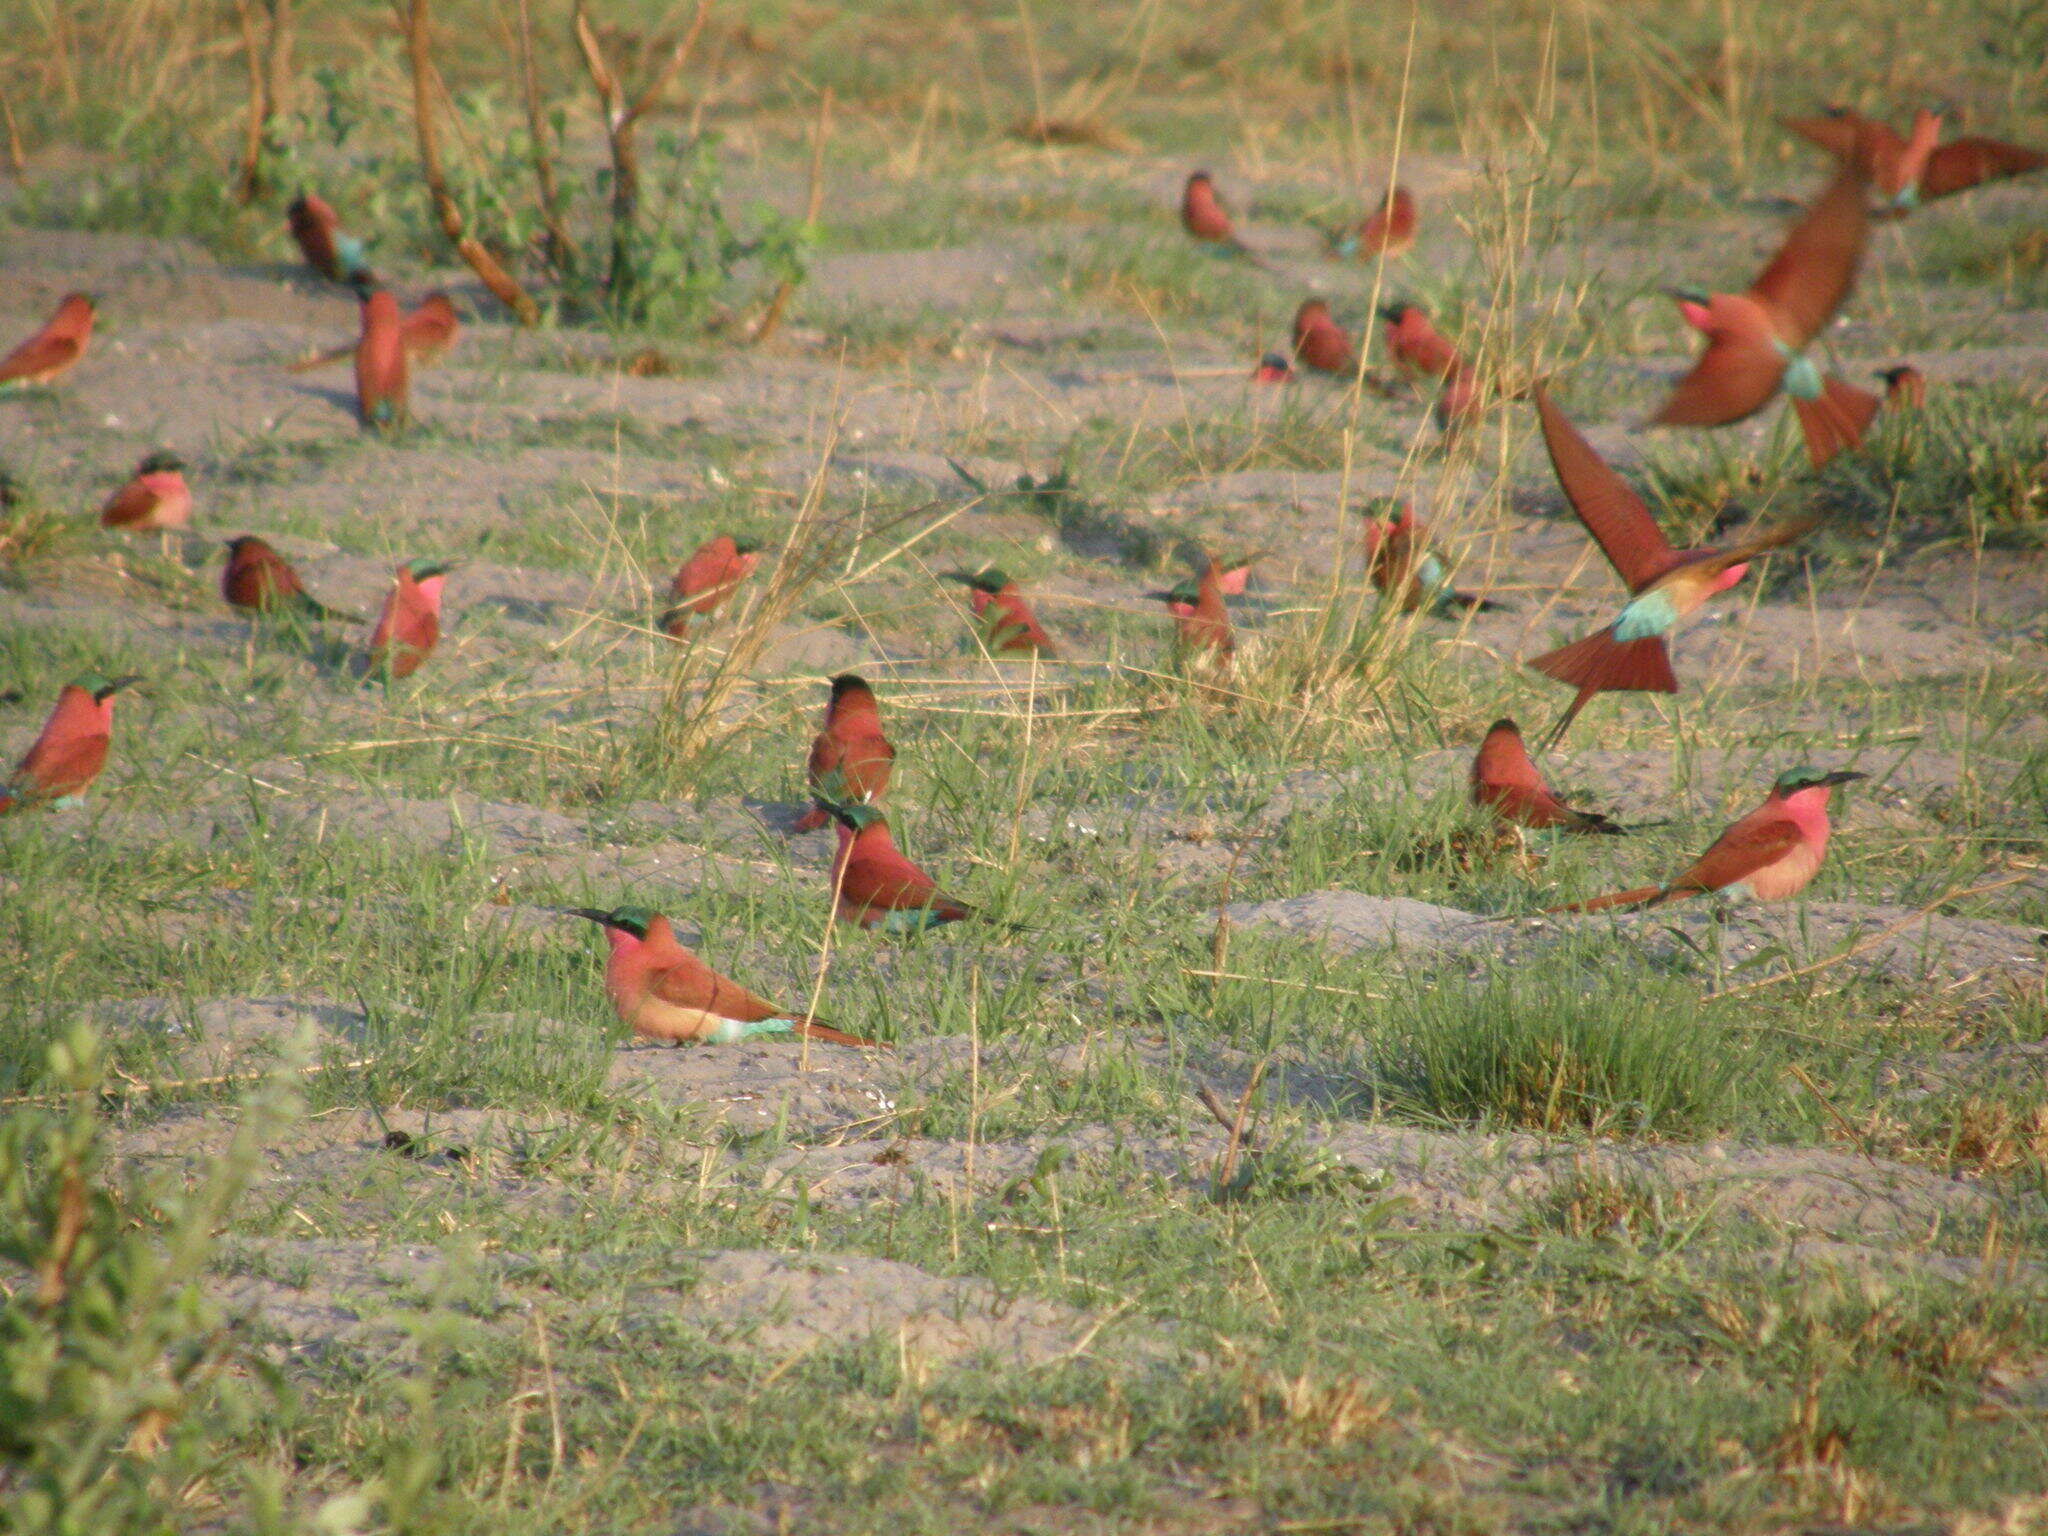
[677, 56]
[562, 250]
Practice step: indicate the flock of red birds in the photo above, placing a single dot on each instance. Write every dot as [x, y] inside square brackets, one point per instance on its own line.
[1757, 346]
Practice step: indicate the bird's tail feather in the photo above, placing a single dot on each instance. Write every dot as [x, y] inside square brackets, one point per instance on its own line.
[1602, 664]
[1836, 420]
[1474, 600]
[1641, 896]
[819, 1031]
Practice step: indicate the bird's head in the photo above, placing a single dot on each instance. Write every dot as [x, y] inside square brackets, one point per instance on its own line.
[1396, 312]
[629, 920]
[1891, 376]
[1796, 781]
[244, 544]
[849, 682]
[1183, 595]
[990, 580]
[161, 462]
[855, 815]
[426, 568]
[1200, 179]
[104, 688]
[746, 546]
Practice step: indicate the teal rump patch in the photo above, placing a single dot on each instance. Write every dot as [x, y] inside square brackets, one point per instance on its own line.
[1650, 614]
[1802, 379]
[732, 1031]
[914, 920]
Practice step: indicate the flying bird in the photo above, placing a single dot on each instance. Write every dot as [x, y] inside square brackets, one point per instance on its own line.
[383, 387]
[851, 758]
[1506, 782]
[1008, 626]
[1916, 168]
[712, 574]
[1401, 565]
[1769, 855]
[54, 350]
[257, 579]
[1905, 387]
[663, 992]
[1665, 584]
[410, 626]
[316, 228]
[71, 750]
[1320, 342]
[155, 496]
[877, 886]
[426, 331]
[1757, 341]
[1389, 228]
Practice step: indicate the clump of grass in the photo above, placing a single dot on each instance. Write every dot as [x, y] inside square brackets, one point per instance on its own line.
[1550, 1053]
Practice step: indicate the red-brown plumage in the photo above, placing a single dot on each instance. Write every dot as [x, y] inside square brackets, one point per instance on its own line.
[875, 882]
[430, 328]
[1419, 346]
[1320, 342]
[383, 385]
[1613, 513]
[1010, 626]
[55, 349]
[1836, 421]
[710, 576]
[851, 758]
[314, 225]
[1201, 620]
[1915, 167]
[1201, 212]
[1459, 402]
[410, 626]
[1505, 780]
[155, 496]
[69, 752]
[257, 579]
[1905, 387]
[1390, 227]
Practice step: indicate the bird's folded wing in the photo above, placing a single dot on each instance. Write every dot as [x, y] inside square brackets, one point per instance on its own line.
[1739, 853]
[58, 766]
[1816, 266]
[1613, 514]
[37, 355]
[693, 984]
[1966, 163]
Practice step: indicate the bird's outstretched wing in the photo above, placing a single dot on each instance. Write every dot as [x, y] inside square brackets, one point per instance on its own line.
[1815, 268]
[1966, 163]
[1613, 514]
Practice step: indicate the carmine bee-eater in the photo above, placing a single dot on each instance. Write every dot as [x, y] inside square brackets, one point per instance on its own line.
[1400, 563]
[1201, 621]
[1905, 387]
[1771, 854]
[383, 387]
[850, 758]
[54, 350]
[710, 576]
[1273, 368]
[429, 329]
[1418, 345]
[410, 626]
[1917, 168]
[316, 228]
[1320, 342]
[1506, 782]
[878, 887]
[1008, 626]
[72, 749]
[1459, 402]
[1664, 584]
[155, 496]
[1757, 341]
[663, 992]
[1389, 228]
[257, 579]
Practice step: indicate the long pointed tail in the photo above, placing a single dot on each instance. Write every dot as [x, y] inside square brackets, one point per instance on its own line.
[1474, 600]
[839, 1036]
[1836, 420]
[1602, 664]
[1641, 896]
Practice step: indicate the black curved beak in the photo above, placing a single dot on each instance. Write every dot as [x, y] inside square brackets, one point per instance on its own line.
[1843, 776]
[590, 912]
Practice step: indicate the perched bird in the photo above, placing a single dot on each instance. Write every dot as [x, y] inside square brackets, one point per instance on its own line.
[1320, 342]
[72, 749]
[1201, 621]
[1400, 563]
[1917, 168]
[1008, 626]
[663, 992]
[410, 626]
[383, 390]
[878, 887]
[1771, 854]
[705, 580]
[1274, 368]
[54, 350]
[1905, 387]
[1202, 215]
[1458, 402]
[155, 496]
[1418, 345]
[1756, 341]
[429, 329]
[1664, 583]
[316, 227]
[1506, 782]
[259, 580]
[850, 759]
[1389, 228]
